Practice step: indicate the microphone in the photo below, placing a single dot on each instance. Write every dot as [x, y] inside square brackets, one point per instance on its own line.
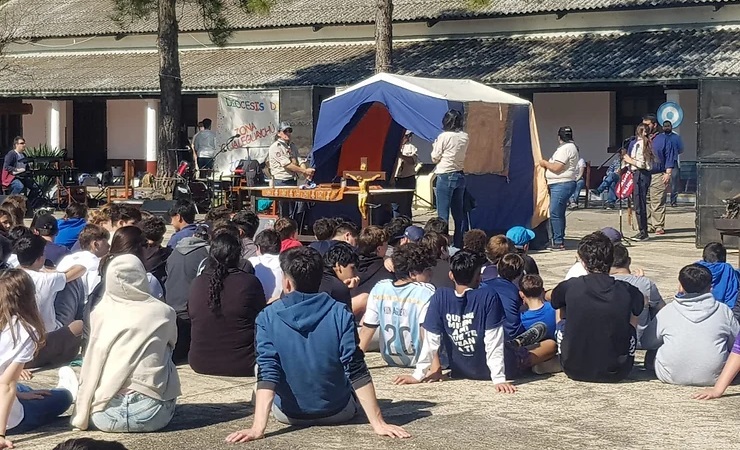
[235, 136]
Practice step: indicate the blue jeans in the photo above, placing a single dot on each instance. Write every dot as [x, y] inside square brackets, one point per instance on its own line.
[580, 184]
[286, 208]
[16, 187]
[134, 413]
[675, 184]
[559, 195]
[609, 184]
[450, 191]
[37, 413]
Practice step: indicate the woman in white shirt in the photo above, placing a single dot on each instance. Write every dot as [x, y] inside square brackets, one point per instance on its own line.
[448, 153]
[22, 408]
[639, 157]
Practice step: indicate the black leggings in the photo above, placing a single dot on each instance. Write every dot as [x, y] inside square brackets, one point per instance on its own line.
[639, 196]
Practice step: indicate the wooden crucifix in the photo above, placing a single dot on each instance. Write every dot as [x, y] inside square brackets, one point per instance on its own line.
[363, 177]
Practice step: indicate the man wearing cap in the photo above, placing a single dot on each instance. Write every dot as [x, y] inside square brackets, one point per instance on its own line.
[405, 175]
[284, 167]
[561, 173]
[521, 237]
[205, 147]
[45, 225]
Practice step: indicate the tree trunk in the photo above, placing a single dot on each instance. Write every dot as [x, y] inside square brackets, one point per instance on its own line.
[170, 85]
[383, 36]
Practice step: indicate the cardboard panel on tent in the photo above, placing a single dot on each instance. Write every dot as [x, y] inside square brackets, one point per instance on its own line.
[368, 120]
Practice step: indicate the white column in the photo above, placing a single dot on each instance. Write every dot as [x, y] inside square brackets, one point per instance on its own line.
[55, 124]
[152, 109]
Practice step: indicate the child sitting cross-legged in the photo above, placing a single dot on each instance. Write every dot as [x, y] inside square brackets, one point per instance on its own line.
[469, 323]
[398, 307]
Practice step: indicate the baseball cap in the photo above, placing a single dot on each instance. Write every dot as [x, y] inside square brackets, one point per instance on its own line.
[414, 233]
[613, 235]
[408, 133]
[285, 126]
[45, 222]
[520, 236]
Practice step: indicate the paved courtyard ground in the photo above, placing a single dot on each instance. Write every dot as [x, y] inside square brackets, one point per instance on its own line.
[548, 412]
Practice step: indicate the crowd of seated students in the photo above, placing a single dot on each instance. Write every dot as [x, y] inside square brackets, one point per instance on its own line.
[233, 302]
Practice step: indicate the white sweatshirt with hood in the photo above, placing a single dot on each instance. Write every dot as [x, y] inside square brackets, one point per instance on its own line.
[693, 335]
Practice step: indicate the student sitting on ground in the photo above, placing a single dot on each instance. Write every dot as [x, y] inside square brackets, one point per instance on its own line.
[223, 306]
[437, 246]
[725, 279]
[129, 383]
[18, 204]
[521, 237]
[340, 273]
[89, 444]
[398, 307]
[496, 248]
[70, 227]
[343, 232]
[526, 350]
[287, 228]
[22, 329]
[267, 263]
[439, 225]
[62, 342]
[7, 220]
[307, 328]
[323, 230]
[537, 310]
[578, 270]
[598, 339]
[247, 222]
[154, 256]
[693, 334]
[468, 323]
[45, 225]
[182, 219]
[372, 245]
[396, 230]
[621, 271]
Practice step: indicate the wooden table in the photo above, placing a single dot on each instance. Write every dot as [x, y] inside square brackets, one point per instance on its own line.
[382, 196]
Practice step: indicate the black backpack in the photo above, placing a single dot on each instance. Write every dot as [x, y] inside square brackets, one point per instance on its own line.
[252, 172]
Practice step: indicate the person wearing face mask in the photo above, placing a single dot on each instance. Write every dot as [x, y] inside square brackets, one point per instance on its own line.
[284, 166]
[665, 153]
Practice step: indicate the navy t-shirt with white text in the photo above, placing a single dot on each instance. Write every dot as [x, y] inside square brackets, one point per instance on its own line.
[462, 322]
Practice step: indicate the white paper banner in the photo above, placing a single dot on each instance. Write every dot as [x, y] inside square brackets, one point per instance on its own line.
[251, 115]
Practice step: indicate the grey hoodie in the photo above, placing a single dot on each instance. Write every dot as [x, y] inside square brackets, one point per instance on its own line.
[693, 335]
[182, 267]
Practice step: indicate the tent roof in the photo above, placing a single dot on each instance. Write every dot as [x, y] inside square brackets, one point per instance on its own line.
[442, 88]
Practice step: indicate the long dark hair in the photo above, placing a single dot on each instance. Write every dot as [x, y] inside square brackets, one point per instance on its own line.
[643, 134]
[223, 257]
[452, 121]
[128, 240]
[18, 300]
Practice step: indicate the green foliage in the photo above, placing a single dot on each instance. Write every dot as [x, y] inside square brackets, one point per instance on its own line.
[213, 12]
[44, 151]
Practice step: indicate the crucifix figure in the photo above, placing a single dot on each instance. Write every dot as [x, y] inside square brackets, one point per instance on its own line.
[363, 177]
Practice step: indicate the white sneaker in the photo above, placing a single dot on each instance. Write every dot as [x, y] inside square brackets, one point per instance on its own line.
[68, 381]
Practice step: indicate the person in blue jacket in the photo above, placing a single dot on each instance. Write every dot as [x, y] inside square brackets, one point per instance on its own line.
[310, 369]
[70, 227]
[725, 279]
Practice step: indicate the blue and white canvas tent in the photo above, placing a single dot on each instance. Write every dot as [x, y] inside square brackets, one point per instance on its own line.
[370, 118]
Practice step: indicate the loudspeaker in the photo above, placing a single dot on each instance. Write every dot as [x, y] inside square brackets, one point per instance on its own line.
[158, 208]
[705, 227]
[719, 121]
[300, 107]
[717, 182]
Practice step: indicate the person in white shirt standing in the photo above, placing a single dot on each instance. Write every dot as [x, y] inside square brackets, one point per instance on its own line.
[448, 153]
[62, 342]
[205, 147]
[561, 173]
[284, 166]
[405, 175]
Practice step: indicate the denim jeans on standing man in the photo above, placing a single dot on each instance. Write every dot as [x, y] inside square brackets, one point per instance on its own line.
[559, 195]
[450, 191]
[286, 208]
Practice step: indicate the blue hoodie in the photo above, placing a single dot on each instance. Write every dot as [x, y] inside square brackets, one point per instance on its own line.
[69, 231]
[725, 282]
[307, 353]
